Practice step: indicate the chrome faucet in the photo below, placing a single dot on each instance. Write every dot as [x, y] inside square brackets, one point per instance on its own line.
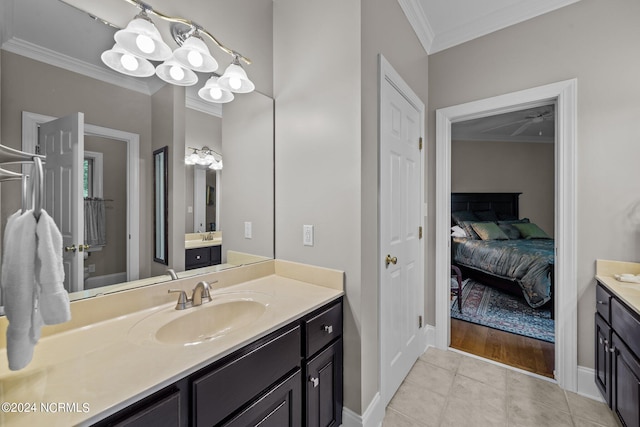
[172, 273]
[200, 294]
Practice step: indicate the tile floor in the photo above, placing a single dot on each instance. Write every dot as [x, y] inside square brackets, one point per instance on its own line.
[446, 388]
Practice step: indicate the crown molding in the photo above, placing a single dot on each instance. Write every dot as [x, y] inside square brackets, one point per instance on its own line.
[479, 27]
[56, 59]
[418, 19]
[195, 103]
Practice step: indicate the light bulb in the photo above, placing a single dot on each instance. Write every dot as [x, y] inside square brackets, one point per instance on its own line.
[195, 58]
[193, 158]
[216, 93]
[176, 72]
[145, 43]
[129, 62]
[235, 82]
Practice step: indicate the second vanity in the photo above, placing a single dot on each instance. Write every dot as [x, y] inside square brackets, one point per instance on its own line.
[273, 356]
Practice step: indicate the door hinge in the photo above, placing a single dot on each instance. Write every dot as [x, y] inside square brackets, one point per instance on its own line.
[419, 321]
[420, 143]
[420, 232]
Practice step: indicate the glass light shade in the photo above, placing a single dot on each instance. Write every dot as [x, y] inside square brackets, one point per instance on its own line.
[212, 92]
[173, 72]
[143, 39]
[235, 79]
[194, 54]
[216, 165]
[120, 60]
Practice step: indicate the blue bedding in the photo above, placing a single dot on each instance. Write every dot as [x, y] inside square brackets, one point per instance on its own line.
[528, 262]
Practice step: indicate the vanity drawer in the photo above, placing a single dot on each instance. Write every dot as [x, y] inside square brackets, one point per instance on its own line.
[221, 392]
[603, 303]
[197, 257]
[323, 328]
[626, 325]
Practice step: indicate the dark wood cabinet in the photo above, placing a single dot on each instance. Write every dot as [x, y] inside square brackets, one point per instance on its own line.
[202, 257]
[289, 378]
[617, 370]
[324, 387]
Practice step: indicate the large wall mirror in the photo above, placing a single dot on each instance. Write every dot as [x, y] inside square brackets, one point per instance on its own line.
[50, 68]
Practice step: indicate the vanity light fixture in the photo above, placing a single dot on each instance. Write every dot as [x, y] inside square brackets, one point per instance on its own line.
[140, 42]
[204, 157]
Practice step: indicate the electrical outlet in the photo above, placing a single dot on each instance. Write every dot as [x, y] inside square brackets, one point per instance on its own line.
[247, 230]
[307, 235]
[189, 209]
[92, 268]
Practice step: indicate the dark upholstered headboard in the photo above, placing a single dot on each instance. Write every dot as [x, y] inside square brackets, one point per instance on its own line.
[502, 203]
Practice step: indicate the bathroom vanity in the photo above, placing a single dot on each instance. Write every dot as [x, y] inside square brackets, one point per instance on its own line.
[292, 377]
[617, 335]
[272, 355]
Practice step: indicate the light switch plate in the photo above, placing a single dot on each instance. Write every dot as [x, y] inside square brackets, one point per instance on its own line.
[307, 235]
[247, 230]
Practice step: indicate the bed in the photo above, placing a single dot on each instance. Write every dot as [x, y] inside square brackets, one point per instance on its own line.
[517, 265]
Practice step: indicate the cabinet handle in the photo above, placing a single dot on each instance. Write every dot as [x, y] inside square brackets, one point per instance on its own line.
[601, 302]
[197, 256]
[611, 349]
[601, 342]
[314, 381]
[327, 328]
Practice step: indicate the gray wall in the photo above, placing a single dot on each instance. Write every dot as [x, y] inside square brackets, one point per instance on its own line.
[597, 43]
[527, 168]
[326, 91]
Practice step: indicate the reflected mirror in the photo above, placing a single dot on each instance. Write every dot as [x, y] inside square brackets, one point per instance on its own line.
[160, 222]
[125, 121]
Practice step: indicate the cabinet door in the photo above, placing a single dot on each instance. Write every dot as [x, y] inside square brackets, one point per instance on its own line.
[625, 383]
[324, 387]
[603, 361]
[279, 407]
[158, 412]
[197, 257]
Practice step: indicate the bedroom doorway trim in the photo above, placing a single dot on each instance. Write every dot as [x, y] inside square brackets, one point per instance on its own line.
[564, 95]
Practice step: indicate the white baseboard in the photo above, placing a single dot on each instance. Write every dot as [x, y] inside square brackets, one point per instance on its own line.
[372, 417]
[105, 280]
[429, 336]
[587, 384]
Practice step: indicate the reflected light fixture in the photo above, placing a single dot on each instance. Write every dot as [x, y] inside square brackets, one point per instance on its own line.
[140, 42]
[204, 157]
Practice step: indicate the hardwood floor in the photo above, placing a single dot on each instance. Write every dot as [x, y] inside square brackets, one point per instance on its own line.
[515, 350]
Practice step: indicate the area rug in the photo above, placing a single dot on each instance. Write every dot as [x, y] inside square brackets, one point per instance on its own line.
[490, 307]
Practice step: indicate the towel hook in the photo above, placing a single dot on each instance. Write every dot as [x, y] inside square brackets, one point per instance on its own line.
[38, 183]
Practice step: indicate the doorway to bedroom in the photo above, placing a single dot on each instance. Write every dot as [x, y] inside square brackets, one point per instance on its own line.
[502, 246]
[563, 95]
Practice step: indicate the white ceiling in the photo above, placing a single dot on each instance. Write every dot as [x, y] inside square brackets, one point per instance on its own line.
[441, 24]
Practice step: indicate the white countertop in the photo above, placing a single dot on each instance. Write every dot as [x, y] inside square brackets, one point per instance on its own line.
[628, 292]
[103, 367]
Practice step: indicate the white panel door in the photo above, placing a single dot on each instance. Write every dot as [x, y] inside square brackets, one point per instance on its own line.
[401, 263]
[62, 141]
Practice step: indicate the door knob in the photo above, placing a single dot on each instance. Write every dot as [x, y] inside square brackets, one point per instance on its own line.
[390, 260]
[71, 248]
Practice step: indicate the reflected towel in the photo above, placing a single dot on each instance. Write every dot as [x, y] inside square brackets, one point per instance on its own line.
[19, 288]
[53, 298]
[95, 225]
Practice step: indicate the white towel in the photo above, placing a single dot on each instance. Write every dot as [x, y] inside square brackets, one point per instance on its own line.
[53, 298]
[19, 288]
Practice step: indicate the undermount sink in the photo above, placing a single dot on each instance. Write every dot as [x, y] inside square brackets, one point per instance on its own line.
[198, 324]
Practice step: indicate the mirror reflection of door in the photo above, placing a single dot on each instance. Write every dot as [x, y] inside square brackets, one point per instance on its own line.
[95, 222]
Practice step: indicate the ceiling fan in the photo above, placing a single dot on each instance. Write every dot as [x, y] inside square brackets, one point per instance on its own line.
[526, 122]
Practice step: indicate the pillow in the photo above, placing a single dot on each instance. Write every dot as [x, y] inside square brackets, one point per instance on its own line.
[468, 229]
[487, 215]
[457, 231]
[531, 231]
[489, 231]
[511, 232]
[458, 216]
